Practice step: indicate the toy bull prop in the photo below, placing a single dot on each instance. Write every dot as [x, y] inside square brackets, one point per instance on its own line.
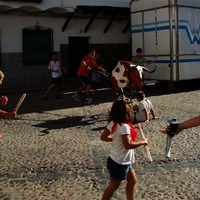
[125, 73]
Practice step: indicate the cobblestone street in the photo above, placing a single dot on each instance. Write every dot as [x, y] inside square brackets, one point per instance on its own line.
[53, 150]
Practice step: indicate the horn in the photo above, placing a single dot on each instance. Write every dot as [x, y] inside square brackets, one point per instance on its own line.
[132, 65]
[147, 70]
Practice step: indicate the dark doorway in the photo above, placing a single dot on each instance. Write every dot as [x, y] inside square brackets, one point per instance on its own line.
[78, 48]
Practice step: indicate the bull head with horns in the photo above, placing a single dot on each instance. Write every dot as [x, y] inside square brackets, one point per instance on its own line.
[127, 73]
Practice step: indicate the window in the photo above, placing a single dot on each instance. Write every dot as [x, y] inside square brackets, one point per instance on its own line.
[37, 45]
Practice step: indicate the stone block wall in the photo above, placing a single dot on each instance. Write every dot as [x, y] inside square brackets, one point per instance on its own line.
[112, 53]
[18, 76]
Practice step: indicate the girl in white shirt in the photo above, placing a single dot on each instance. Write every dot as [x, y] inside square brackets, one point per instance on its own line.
[122, 134]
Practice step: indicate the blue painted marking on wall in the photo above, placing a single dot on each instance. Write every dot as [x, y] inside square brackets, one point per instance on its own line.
[183, 25]
[193, 31]
[174, 61]
[152, 29]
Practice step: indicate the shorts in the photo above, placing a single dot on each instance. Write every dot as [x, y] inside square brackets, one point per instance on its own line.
[96, 77]
[57, 80]
[135, 120]
[117, 171]
[84, 80]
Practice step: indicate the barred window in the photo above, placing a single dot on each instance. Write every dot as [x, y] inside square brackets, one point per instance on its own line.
[37, 45]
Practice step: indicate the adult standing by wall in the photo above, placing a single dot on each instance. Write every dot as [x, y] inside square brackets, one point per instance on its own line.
[139, 59]
[96, 76]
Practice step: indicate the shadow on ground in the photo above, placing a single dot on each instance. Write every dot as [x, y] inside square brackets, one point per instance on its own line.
[34, 101]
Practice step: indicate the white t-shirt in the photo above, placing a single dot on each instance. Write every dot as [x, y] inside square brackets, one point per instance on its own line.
[140, 115]
[118, 152]
[55, 66]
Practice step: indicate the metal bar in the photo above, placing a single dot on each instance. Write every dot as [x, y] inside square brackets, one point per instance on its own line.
[168, 146]
[150, 9]
[67, 21]
[177, 40]
[143, 32]
[91, 20]
[110, 22]
[195, 7]
[171, 40]
[126, 27]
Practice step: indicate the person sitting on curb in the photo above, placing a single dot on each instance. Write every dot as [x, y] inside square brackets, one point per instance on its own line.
[192, 122]
[4, 101]
[143, 110]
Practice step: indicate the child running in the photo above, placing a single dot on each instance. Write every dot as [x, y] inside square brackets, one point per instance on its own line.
[122, 134]
[55, 68]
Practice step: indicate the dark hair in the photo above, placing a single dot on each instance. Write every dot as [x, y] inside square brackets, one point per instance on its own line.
[121, 110]
[91, 51]
[138, 50]
[140, 95]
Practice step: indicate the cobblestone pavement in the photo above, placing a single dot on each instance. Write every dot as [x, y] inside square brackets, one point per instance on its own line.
[54, 152]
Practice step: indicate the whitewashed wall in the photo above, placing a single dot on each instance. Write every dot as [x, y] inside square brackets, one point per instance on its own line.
[113, 3]
[11, 35]
[46, 4]
[68, 5]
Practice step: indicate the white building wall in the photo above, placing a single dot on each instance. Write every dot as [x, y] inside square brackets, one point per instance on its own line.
[69, 5]
[114, 44]
[46, 4]
[113, 3]
[11, 35]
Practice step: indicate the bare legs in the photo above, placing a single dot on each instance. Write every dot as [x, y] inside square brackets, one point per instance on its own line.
[86, 88]
[57, 86]
[130, 186]
[49, 88]
[114, 184]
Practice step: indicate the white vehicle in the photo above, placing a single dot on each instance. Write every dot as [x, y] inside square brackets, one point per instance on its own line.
[169, 29]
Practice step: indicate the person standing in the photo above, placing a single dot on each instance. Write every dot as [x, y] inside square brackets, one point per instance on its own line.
[55, 67]
[139, 59]
[96, 76]
[87, 63]
[122, 134]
